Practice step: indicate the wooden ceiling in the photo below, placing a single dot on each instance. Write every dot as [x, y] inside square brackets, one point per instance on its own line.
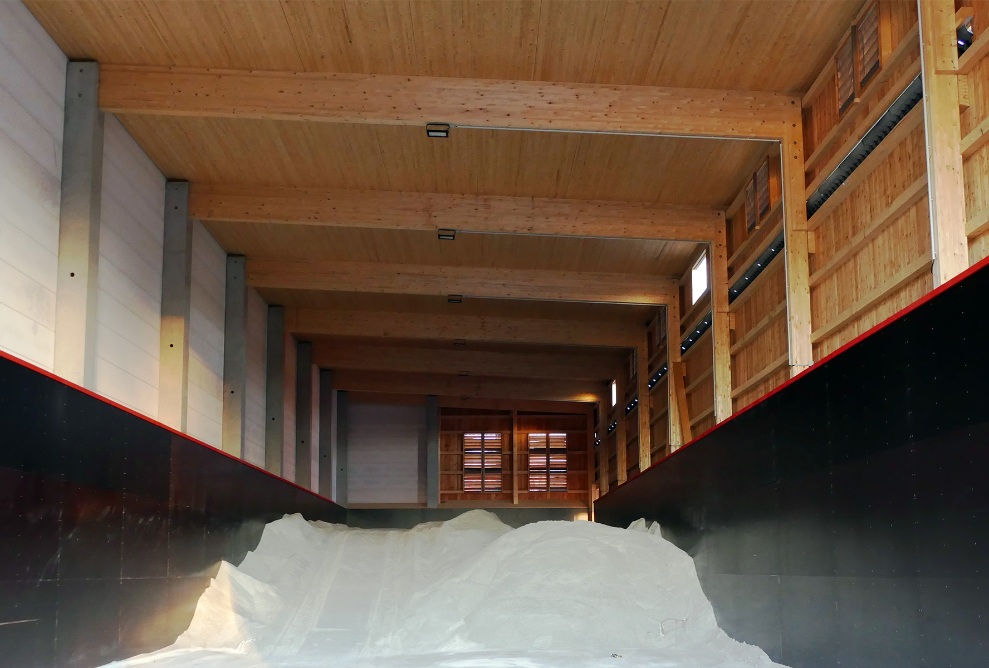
[355, 257]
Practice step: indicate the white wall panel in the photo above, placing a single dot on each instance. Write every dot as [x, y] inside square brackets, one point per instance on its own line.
[257, 323]
[129, 301]
[206, 337]
[32, 89]
[384, 446]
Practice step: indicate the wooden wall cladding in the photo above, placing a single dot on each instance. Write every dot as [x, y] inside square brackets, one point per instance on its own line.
[828, 134]
[699, 383]
[873, 249]
[454, 422]
[660, 423]
[974, 87]
[759, 343]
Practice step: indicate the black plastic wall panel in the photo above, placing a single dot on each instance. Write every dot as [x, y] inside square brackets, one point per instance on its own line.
[844, 521]
[112, 525]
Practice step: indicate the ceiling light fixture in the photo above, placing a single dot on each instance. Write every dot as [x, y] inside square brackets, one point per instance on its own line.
[455, 299]
[438, 130]
[446, 234]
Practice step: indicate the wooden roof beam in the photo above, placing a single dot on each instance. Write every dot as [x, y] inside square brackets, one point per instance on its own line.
[439, 327]
[484, 282]
[465, 213]
[456, 386]
[459, 361]
[412, 100]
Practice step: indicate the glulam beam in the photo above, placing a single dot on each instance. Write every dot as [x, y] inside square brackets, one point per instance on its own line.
[463, 213]
[482, 282]
[417, 100]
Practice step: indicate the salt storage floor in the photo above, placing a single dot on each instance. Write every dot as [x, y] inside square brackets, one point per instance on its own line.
[468, 593]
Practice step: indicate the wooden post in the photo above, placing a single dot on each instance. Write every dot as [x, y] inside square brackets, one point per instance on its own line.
[603, 474]
[304, 416]
[515, 458]
[621, 447]
[590, 464]
[274, 419]
[942, 125]
[644, 408]
[326, 421]
[795, 251]
[720, 326]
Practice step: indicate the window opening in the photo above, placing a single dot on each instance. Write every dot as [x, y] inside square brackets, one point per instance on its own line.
[482, 462]
[614, 393]
[547, 462]
[698, 279]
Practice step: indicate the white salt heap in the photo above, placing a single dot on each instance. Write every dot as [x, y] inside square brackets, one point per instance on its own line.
[468, 593]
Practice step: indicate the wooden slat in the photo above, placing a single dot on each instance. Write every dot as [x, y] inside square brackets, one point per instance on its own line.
[978, 224]
[774, 366]
[466, 281]
[759, 327]
[455, 386]
[976, 138]
[758, 249]
[329, 355]
[676, 434]
[412, 100]
[700, 416]
[945, 169]
[909, 123]
[694, 348]
[432, 211]
[432, 326]
[861, 306]
[903, 202]
[510, 404]
[699, 380]
[680, 403]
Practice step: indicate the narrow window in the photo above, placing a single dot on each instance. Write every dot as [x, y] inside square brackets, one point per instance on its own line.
[698, 279]
[867, 45]
[614, 392]
[482, 462]
[547, 462]
[844, 65]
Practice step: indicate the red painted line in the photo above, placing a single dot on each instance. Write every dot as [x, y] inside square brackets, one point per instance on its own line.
[111, 402]
[975, 268]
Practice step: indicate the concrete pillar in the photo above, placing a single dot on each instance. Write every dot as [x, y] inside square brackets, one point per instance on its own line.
[326, 434]
[303, 415]
[176, 308]
[343, 404]
[235, 356]
[432, 452]
[79, 227]
[274, 418]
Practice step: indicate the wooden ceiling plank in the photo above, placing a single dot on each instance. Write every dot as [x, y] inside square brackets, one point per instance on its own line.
[417, 100]
[461, 360]
[456, 386]
[308, 322]
[482, 282]
[465, 213]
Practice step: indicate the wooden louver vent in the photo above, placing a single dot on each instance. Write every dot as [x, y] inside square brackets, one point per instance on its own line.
[751, 215]
[482, 462]
[844, 65]
[547, 462]
[867, 44]
[762, 189]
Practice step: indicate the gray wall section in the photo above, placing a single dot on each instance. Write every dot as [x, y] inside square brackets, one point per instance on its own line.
[176, 308]
[79, 227]
[343, 428]
[406, 518]
[432, 452]
[326, 425]
[303, 414]
[274, 427]
[235, 356]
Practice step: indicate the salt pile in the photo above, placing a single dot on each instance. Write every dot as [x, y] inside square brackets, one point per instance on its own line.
[468, 593]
